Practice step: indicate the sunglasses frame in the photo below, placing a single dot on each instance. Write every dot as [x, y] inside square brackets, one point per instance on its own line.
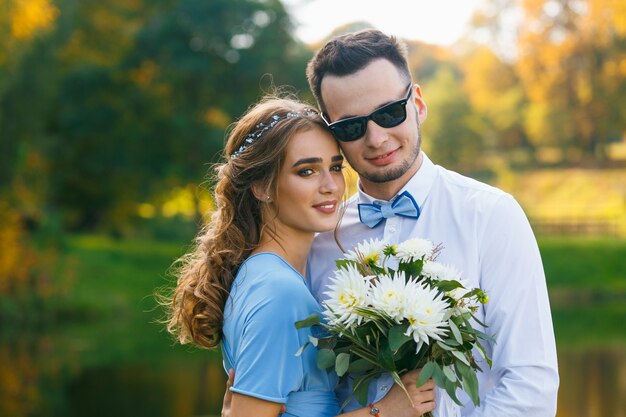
[364, 119]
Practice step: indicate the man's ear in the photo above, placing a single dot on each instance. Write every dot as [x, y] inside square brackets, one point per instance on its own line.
[420, 104]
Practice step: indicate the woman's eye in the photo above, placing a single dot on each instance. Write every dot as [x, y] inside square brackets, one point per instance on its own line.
[337, 168]
[305, 172]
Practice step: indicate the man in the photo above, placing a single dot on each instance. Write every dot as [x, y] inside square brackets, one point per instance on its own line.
[483, 230]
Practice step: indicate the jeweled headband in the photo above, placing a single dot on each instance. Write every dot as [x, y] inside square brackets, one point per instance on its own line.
[264, 127]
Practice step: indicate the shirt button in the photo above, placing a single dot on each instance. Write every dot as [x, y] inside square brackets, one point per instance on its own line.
[392, 229]
[383, 387]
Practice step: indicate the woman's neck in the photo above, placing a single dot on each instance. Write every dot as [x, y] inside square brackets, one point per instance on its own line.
[293, 248]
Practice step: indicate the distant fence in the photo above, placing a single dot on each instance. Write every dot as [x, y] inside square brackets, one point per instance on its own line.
[579, 226]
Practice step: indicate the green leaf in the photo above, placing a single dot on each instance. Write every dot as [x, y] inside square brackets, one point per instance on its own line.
[446, 286]
[385, 357]
[438, 376]
[344, 263]
[299, 352]
[470, 385]
[360, 365]
[425, 374]
[411, 269]
[447, 371]
[342, 362]
[451, 390]
[444, 346]
[325, 358]
[397, 338]
[460, 356]
[455, 331]
[312, 320]
[361, 386]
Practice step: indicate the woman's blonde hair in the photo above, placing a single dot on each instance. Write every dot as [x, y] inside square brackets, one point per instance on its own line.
[254, 156]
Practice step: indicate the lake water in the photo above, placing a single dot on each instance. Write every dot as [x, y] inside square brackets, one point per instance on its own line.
[95, 370]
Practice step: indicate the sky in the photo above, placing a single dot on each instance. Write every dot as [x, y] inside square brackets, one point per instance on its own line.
[436, 21]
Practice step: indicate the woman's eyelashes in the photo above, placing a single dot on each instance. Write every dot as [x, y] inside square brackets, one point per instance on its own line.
[306, 172]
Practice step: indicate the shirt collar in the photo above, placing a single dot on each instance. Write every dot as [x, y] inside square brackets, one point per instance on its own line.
[419, 185]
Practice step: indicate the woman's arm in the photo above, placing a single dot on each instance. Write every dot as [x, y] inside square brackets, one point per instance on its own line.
[245, 406]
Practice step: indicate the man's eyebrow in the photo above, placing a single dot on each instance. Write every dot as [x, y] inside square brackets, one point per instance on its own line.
[316, 160]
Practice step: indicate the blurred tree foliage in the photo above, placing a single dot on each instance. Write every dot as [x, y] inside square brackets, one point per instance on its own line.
[108, 104]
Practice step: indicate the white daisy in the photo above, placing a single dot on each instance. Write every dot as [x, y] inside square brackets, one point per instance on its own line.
[368, 252]
[414, 250]
[348, 289]
[426, 312]
[388, 295]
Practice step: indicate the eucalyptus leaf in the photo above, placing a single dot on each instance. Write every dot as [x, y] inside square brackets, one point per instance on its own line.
[455, 331]
[451, 390]
[425, 373]
[360, 365]
[325, 358]
[460, 356]
[438, 376]
[447, 371]
[470, 385]
[342, 362]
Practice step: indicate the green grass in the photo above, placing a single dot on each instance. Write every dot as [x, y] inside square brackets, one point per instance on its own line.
[585, 264]
[112, 297]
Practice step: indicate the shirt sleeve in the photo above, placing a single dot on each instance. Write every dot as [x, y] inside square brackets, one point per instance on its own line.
[266, 365]
[518, 314]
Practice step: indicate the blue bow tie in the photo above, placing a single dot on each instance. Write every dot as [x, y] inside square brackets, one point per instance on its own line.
[403, 205]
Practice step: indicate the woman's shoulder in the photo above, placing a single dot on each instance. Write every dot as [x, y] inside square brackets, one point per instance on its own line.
[269, 271]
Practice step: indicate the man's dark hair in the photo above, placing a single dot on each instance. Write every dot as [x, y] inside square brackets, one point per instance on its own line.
[349, 53]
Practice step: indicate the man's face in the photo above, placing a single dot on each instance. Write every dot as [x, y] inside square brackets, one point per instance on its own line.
[385, 158]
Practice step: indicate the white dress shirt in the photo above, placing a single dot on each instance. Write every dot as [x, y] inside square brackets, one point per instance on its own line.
[486, 235]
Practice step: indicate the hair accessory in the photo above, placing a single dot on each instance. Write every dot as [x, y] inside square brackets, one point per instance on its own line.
[263, 127]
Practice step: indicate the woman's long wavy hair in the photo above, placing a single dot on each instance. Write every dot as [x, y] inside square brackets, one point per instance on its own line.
[204, 276]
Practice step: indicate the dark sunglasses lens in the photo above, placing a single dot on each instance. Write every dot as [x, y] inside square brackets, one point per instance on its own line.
[391, 115]
[349, 130]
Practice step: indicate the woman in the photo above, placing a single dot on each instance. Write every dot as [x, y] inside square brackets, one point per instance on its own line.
[244, 284]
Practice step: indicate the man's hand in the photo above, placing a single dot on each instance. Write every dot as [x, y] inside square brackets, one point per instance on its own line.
[397, 404]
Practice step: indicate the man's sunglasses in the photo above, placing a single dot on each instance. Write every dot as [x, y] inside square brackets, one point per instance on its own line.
[353, 128]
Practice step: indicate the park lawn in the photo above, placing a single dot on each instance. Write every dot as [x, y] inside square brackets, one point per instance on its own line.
[116, 281]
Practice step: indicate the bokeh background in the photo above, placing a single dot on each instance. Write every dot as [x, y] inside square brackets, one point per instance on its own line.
[112, 110]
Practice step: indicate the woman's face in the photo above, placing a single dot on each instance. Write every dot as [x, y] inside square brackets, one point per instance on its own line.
[310, 184]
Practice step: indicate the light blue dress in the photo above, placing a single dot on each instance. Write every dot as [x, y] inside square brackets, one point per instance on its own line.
[260, 340]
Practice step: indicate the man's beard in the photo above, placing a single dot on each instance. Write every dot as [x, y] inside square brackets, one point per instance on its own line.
[394, 174]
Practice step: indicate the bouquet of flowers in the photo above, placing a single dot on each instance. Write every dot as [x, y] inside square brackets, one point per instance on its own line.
[419, 315]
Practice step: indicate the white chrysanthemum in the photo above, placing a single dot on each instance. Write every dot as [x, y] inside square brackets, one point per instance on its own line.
[348, 289]
[367, 252]
[435, 270]
[426, 312]
[414, 250]
[388, 295]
